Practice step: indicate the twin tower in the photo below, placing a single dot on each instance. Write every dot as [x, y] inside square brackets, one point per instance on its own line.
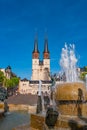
[40, 69]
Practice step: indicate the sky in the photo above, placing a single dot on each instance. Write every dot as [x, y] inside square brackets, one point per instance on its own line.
[62, 21]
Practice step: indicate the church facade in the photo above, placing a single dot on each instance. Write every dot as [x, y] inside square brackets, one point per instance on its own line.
[40, 71]
[40, 68]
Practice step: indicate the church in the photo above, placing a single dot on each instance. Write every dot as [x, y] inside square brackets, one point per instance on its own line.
[40, 71]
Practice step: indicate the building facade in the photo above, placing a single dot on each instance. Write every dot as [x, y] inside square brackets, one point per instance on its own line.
[40, 69]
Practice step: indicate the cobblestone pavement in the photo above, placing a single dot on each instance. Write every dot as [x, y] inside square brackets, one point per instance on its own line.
[22, 99]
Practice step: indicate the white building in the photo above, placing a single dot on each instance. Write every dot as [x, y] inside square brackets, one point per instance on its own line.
[40, 71]
[26, 86]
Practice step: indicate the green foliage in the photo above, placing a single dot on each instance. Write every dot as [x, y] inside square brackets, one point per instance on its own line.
[82, 75]
[85, 68]
[1, 77]
[10, 83]
[15, 80]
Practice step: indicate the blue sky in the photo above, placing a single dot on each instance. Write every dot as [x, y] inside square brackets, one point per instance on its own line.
[63, 20]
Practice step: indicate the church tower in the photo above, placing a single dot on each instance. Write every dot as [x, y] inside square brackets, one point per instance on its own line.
[35, 60]
[40, 69]
[46, 60]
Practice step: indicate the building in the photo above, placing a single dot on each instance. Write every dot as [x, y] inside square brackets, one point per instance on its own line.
[7, 72]
[40, 71]
[24, 87]
[31, 86]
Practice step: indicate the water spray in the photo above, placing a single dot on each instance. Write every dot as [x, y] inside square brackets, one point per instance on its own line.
[68, 63]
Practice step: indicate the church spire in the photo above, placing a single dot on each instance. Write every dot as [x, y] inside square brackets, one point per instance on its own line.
[36, 51]
[46, 45]
[36, 45]
[46, 51]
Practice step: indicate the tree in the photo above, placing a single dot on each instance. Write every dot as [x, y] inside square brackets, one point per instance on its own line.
[85, 68]
[82, 75]
[11, 83]
[15, 80]
[1, 78]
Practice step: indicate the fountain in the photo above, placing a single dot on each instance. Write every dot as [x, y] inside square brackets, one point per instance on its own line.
[70, 98]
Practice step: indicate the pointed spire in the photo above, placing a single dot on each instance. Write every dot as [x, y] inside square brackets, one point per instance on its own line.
[46, 51]
[46, 45]
[36, 44]
[35, 52]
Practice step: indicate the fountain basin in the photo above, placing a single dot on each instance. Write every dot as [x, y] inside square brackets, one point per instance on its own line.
[63, 123]
[71, 99]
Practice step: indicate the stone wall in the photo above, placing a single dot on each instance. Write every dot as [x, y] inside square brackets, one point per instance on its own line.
[14, 107]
